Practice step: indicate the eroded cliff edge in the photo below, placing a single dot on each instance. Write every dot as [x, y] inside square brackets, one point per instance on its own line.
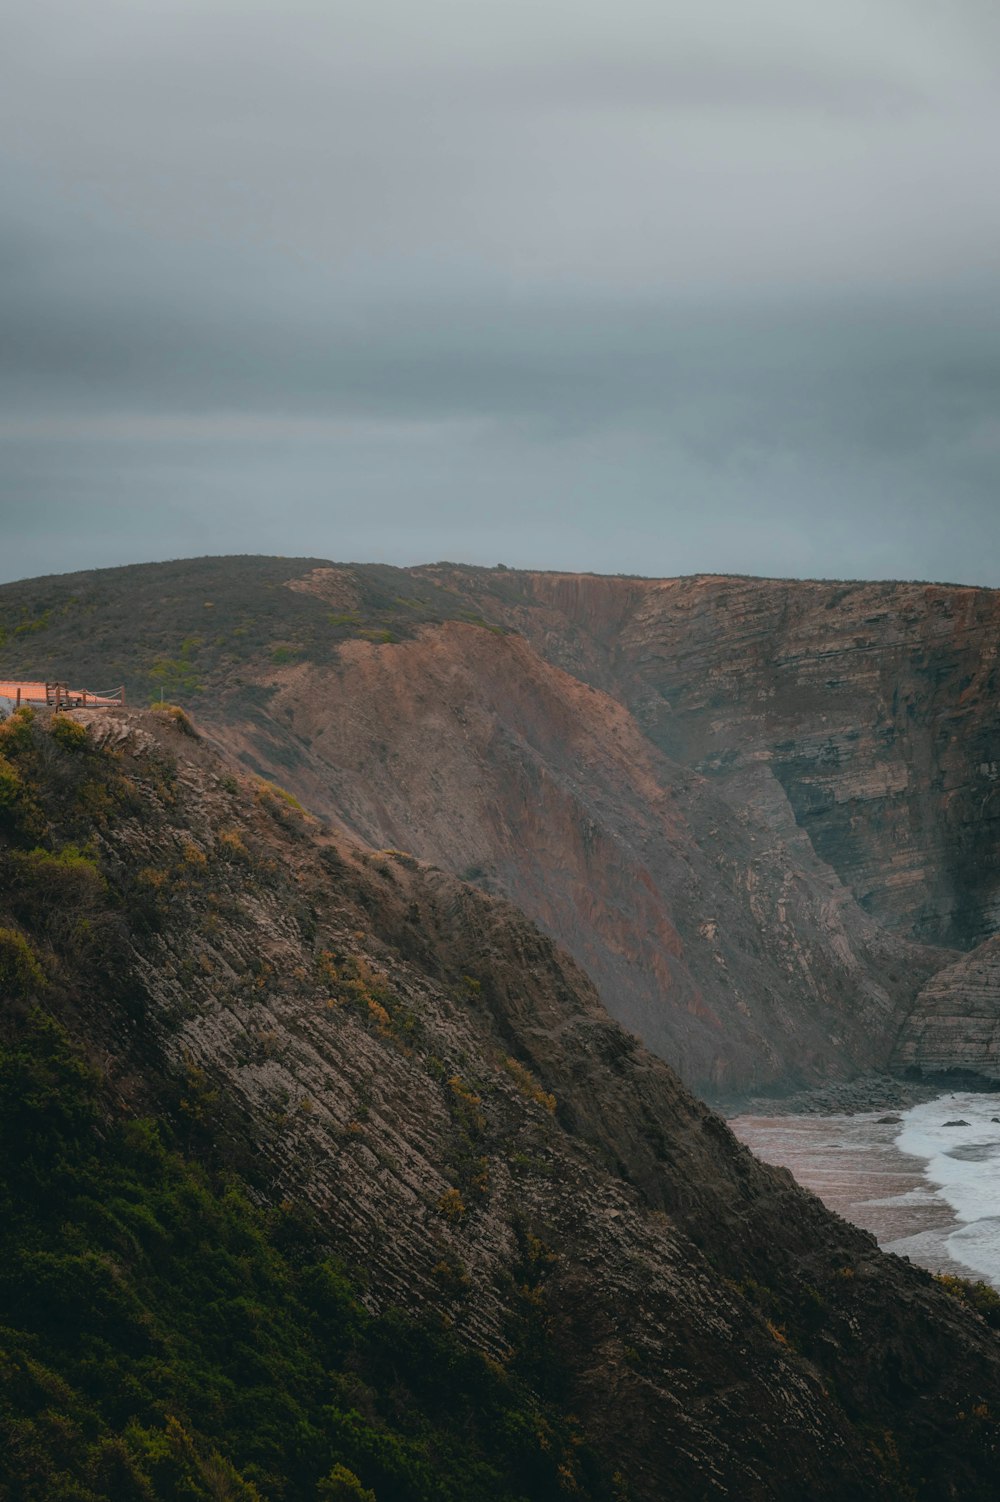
[414, 1061]
[761, 814]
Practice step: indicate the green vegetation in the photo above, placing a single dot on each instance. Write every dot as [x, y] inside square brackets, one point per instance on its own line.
[177, 677]
[16, 730]
[20, 973]
[179, 716]
[978, 1296]
[10, 785]
[70, 734]
[163, 1338]
[20, 625]
[279, 801]
[176, 630]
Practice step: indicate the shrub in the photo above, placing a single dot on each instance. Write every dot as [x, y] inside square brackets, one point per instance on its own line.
[69, 734]
[177, 715]
[42, 865]
[528, 1085]
[452, 1206]
[978, 1296]
[163, 1338]
[178, 675]
[341, 1485]
[452, 1278]
[232, 848]
[271, 794]
[15, 732]
[59, 892]
[11, 786]
[191, 855]
[20, 972]
[181, 1467]
[465, 1106]
[379, 1015]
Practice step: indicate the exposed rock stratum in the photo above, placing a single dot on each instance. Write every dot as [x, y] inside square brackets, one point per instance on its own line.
[761, 814]
[414, 1062]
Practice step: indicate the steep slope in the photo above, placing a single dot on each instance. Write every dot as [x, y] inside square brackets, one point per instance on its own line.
[707, 922]
[759, 813]
[955, 1024]
[874, 704]
[414, 1062]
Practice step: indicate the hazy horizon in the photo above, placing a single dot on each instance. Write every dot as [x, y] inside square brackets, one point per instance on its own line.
[502, 565]
[664, 290]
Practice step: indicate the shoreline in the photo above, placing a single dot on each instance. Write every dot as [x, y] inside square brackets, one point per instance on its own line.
[920, 1182]
[875, 1091]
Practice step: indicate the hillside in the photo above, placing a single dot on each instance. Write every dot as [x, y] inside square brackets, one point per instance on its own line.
[760, 814]
[360, 1175]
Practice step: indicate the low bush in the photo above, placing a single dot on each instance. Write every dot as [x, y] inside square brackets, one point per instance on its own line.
[163, 1338]
[20, 973]
[177, 715]
[978, 1296]
[69, 734]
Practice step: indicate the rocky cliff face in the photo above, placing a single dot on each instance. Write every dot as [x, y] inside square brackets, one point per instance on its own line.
[702, 913]
[411, 1058]
[874, 705]
[955, 1024]
[761, 814]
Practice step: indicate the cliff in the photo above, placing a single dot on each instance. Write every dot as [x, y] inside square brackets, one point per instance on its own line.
[874, 705]
[438, 1087]
[760, 814]
[702, 913]
[955, 1024]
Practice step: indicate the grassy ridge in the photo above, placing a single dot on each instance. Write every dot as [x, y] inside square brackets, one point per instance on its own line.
[176, 630]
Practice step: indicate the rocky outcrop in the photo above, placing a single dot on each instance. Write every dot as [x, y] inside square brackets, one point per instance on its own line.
[701, 911]
[875, 704]
[760, 813]
[413, 1060]
[955, 1026]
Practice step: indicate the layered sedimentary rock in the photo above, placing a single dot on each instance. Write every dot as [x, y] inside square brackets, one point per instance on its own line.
[955, 1024]
[701, 911]
[875, 705]
[760, 813]
[414, 1061]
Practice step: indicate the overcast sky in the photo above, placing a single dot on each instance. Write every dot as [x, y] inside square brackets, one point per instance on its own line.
[651, 286]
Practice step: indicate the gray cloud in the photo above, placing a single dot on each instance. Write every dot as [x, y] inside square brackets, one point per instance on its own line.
[640, 287]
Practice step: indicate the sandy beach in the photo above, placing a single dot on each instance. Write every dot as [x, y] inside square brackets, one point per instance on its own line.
[922, 1203]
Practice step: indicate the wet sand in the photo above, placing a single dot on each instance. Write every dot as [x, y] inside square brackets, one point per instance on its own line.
[853, 1165]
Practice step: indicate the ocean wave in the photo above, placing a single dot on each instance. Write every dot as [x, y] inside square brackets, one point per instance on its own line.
[962, 1162]
[927, 1190]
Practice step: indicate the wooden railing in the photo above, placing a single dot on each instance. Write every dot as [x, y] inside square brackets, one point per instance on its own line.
[60, 696]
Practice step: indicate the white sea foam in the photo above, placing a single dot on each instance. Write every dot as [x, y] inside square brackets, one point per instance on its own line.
[962, 1163]
[927, 1191]
[919, 1197]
